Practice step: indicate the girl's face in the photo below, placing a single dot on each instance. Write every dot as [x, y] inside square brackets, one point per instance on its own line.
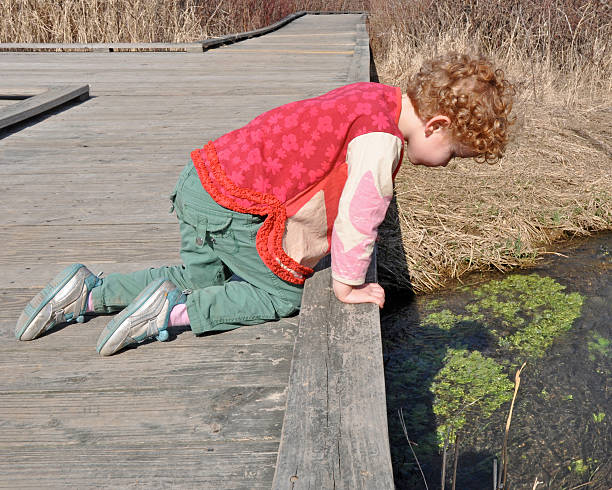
[433, 150]
[429, 142]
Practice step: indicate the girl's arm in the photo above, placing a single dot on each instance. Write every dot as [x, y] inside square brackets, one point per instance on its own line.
[365, 198]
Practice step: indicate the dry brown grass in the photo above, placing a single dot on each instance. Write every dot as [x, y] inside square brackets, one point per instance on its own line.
[556, 179]
[550, 47]
[87, 21]
[551, 185]
[99, 21]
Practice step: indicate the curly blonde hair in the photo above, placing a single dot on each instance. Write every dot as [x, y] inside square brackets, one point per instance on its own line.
[473, 95]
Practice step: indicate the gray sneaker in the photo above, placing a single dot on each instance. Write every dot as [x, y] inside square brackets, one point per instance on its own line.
[63, 300]
[147, 316]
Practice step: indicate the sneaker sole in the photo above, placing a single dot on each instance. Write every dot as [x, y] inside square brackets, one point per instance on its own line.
[113, 326]
[42, 299]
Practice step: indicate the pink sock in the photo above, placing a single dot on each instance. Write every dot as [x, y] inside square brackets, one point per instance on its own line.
[90, 307]
[179, 316]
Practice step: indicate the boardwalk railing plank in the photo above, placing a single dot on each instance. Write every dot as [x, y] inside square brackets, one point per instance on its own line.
[33, 106]
[335, 429]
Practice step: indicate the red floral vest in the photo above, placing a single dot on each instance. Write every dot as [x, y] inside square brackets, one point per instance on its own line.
[278, 161]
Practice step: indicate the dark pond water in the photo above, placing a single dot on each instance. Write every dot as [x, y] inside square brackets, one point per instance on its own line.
[450, 364]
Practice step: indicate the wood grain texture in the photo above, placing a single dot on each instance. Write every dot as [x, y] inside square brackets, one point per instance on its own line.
[89, 183]
[359, 71]
[335, 429]
[20, 92]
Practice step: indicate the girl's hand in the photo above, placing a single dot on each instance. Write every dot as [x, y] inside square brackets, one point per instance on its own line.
[365, 293]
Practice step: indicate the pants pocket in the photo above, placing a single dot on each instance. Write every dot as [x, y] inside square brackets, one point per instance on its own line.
[221, 235]
[174, 206]
[212, 229]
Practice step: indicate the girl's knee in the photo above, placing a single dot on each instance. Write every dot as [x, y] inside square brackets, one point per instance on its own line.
[287, 306]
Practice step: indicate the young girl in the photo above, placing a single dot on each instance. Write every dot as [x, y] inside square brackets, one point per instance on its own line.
[261, 205]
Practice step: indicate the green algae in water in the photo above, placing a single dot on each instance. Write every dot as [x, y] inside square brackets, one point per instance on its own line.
[524, 312]
[433, 304]
[456, 362]
[469, 384]
[598, 346]
[444, 319]
[531, 310]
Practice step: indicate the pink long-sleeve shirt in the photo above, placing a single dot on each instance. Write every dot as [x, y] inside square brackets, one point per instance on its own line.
[372, 160]
[321, 170]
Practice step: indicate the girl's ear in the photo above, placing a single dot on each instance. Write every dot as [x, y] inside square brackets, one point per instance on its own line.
[436, 123]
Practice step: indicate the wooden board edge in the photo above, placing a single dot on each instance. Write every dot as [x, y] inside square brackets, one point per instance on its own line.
[359, 69]
[101, 47]
[335, 427]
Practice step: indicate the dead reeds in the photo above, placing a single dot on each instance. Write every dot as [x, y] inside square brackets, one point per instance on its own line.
[99, 21]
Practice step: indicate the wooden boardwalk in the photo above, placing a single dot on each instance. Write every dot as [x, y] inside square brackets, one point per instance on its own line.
[88, 183]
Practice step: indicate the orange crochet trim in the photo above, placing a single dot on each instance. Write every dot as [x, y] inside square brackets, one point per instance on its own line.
[265, 204]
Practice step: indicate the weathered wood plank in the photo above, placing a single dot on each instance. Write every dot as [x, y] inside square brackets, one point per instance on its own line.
[100, 47]
[256, 411]
[20, 92]
[38, 104]
[242, 465]
[6, 102]
[304, 457]
[359, 71]
[184, 362]
[335, 428]
[139, 242]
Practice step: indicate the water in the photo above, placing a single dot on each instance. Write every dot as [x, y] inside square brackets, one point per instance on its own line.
[450, 361]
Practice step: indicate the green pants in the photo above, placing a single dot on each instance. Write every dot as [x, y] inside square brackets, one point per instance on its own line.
[229, 283]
